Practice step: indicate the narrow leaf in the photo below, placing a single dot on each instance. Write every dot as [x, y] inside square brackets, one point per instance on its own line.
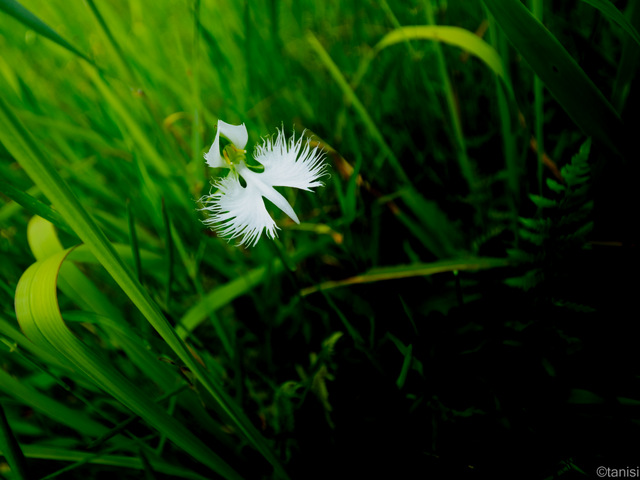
[407, 271]
[11, 449]
[34, 206]
[37, 311]
[36, 163]
[610, 11]
[561, 74]
[457, 36]
[24, 16]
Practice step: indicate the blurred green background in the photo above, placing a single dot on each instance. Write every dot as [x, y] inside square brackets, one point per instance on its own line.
[458, 298]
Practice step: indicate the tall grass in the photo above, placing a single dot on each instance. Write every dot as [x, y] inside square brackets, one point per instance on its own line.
[377, 333]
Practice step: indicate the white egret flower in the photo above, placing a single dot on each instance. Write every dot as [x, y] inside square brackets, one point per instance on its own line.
[237, 210]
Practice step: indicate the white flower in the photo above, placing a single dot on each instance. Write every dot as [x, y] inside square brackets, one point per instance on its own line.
[239, 211]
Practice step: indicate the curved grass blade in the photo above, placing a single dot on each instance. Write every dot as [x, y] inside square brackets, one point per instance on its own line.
[457, 36]
[561, 74]
[44, 243]
[77, 286]
[38, 166]
[24, 16]
[406, 271]
[469, 42]
[37, 310]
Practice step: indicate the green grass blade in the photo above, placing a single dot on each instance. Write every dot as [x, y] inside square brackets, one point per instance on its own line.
[407, 271]
[11, 450]
[406, 363]
[20, 13]
[538, 98]
[111, 41]
[353, 332]
[8, 330]
[37, 309]
[628, 64]
[34, 206]
[456, 36]
[223, 295]
[133, 239]
[435, 230]
[561, 74]
[358, 106]
[413, 199]
[506, 123]
[610, 11]
[37, 165]
[169, 252]
[26, 395]
[44, 452]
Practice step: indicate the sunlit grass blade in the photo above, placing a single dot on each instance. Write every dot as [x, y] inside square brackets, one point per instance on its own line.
[459, 37]
[37, 310]
[78, 287]
[406, 271]
[20, 13]
[561, 74]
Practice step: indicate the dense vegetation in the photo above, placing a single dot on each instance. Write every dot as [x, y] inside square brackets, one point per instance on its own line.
[456, 302]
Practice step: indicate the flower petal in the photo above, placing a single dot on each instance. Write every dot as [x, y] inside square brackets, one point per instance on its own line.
[236, 134]
[238, 212]
[256, 180]
[290, 163]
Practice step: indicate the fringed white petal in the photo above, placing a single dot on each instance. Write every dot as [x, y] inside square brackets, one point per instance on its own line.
[236, 134]
[267, 191]
[238, 212]
[290, 163]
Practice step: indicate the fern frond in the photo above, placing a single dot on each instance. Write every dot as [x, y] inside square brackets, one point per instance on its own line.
[558, 233]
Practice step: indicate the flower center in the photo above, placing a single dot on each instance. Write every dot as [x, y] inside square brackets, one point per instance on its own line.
[233, 155]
